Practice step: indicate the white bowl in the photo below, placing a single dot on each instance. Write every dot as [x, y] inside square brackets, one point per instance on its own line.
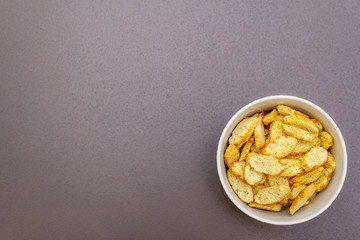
[323, 199]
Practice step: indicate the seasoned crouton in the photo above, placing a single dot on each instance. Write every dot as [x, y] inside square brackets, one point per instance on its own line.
[257, 187]
[302, 147]
[237, 168]
[293, 167]
[316, 157]
[324, 180]
[252, 177]
[278, 180]
[276, 130]
[298, 133]
[281, 147]
[284, 110]
[296, 189]
[270, 117]
[231, 154]
[302, 198]
[243, 190]
[273, 194]
[243, 131]
[330, 162]
[259, 134]
[326, 140]
[318, 124]
[265, 164]
[246, 148]
[302, 121]
[309, 177]
[276, 207]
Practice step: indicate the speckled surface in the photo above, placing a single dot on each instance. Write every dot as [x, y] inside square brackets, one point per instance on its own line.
[110, 112]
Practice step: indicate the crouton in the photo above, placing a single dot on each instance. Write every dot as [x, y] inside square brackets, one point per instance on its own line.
[262, 181]
[309, 177]
[298, 133]
[273, 194]
[281, 147]
[330, 162]
[270, 117]
[316, 157]
[279, 117]
[243, 131]
[318, 124]
[296, 189]
[259, 134]
[257, 187]
[293, 167]
[302, 121]
[237, 168]
[252, 177]
[243, 190]
[324, 180]
[276, 207]
[303, 147]
[276, 130]
[302, 198]
[298, 157]
[278, 180]
[231, 154]
[312, 196]
[254, 149]
[246, 148]
[265, 164]
[284, 110]
[326, 140]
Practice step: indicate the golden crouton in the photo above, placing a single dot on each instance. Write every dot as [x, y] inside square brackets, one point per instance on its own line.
[280, 118]
[298, 157]
[309, 177]
[265, 164]
[302, 147]
[330, 162]
[259, 134]
[302, 121]
[254, 149]
[296, 189]
[270, 117]
[276, 207]
[312, 196]
[237, 168]
[273, 194]
[298, 133]
[284, 110]
[276, 130]
[257, 187]
[302, 198]
[278, 180]
[316, 157]
[252, 177]
[243, 190]
[318, 124]
[246, 148]
[281, 147]
[293, 167]
[324, 180]
[243, 131]
[326, 140]
[231, 154]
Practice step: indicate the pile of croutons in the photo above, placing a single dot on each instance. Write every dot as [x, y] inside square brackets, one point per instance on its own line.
[279, 158]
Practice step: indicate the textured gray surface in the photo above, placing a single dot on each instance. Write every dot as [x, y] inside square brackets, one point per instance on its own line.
[110, 112]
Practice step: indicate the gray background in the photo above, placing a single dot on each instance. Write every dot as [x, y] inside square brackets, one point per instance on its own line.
[110, 112]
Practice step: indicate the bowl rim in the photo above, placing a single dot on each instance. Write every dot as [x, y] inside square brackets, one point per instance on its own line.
[220, 160]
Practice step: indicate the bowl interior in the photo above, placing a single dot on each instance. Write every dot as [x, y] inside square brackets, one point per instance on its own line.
[324, 198]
